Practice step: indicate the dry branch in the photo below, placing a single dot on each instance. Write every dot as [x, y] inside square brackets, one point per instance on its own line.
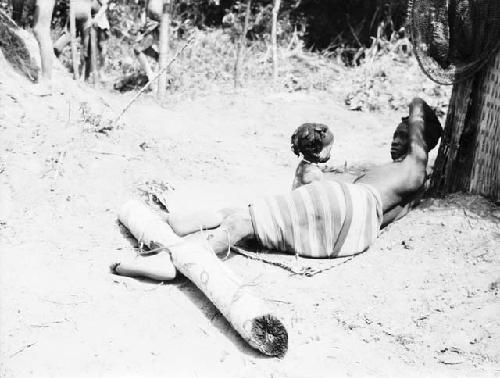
[247, 313]
[27, 346]
[146, 86]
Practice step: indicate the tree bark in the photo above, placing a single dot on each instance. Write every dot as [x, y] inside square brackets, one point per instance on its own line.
[164, 48]
[469, 154]
[274, 39]
[241, 46]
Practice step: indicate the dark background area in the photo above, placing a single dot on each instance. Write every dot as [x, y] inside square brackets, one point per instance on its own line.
[321, 24]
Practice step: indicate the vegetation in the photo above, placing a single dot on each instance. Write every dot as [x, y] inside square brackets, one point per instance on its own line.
[316, 42]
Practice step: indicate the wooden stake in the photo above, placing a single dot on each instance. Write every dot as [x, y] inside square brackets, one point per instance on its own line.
[72, 32]
[274, 39]
[241, 47]
[148, 84]
[93, 56]
[164, 48]
[247, 313]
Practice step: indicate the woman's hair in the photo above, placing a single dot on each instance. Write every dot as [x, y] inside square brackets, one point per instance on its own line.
[433, 130]
[309, 140]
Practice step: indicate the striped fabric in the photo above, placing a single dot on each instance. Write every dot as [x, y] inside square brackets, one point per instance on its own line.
[322, 219]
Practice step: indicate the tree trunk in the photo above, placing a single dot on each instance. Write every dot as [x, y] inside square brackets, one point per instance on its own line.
[164, 48]
[469, 154]
[72, 32]
[274, 39]
[241, 46]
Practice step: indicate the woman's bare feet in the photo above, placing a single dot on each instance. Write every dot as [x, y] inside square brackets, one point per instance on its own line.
[158, 267]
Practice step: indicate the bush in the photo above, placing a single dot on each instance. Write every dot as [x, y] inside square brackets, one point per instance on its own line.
[14, 49]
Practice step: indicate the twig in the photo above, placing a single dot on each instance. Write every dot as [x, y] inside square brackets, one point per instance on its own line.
[467, 219]
[279, 301]
[46, 325]
[354, 34]
[22, 349]
[63, 303]
[307, 271]
[113, 154]
[146, 86]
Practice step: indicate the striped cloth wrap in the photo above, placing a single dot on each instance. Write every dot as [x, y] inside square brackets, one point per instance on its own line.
[324, 219]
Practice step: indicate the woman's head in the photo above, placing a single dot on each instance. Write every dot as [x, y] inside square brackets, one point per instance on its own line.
[400, 141]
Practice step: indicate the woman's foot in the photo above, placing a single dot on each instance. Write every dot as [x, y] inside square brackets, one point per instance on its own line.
[158, 267]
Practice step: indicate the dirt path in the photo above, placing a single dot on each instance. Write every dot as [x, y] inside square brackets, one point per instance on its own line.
[422, 301]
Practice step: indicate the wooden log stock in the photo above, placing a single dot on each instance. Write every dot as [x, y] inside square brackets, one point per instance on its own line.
[247, 313]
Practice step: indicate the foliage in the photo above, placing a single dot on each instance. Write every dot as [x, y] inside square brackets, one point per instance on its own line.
[14, 49]
[363, 34]
[323, 23]
[388, 76]
[333, 23]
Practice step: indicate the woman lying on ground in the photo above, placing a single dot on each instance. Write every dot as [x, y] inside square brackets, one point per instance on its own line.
[324, 219]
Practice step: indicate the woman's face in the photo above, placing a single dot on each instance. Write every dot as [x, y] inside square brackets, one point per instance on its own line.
[399, 144]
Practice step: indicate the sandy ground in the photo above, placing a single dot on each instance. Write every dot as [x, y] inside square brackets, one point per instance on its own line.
[423, 301]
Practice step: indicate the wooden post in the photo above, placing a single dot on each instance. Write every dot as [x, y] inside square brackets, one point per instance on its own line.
[469, 154]
[274, 39]
[93, 56]
[164, 48]
[241, 46]
[247, 313]
[72, 32]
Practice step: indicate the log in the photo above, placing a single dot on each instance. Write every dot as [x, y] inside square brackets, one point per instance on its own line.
[247, 313]
[136, 217]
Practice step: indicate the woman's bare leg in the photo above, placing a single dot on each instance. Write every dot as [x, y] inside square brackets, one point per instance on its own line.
[43, 18]
[157, 267]
[232, 229]
[185, 224]
[85, 52]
